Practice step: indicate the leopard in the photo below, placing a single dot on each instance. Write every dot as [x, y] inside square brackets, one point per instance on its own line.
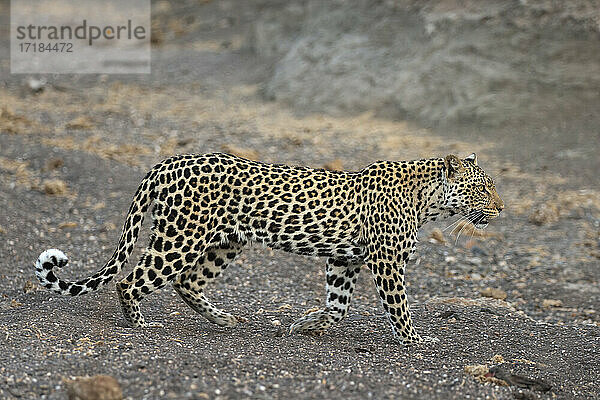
[207, 207]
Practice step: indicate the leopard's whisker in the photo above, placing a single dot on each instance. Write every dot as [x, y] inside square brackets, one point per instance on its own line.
[465, 225]
[462, 218]
[475, 225]
[459, 232]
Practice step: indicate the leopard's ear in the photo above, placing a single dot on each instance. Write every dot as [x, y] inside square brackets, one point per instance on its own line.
[453, 166]
[472, 158]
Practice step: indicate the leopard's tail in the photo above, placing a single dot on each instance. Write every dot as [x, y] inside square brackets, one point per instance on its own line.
[52, 258]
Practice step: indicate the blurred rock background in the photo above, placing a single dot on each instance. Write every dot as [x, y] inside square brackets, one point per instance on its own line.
[439, 61]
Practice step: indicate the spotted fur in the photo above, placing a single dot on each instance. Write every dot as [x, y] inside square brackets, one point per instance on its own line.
[207, 207]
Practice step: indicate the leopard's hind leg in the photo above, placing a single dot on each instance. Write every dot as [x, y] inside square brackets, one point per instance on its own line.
[165, 258]
[341, 278]
[190, 284]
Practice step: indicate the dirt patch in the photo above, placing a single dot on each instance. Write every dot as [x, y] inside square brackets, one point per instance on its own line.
[438, 61]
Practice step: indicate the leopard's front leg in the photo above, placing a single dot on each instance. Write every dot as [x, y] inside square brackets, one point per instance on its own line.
[389, 280]
[387, 259]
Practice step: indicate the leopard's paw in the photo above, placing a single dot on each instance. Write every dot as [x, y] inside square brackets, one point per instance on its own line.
[226, 320]
[419, 340]
[314, 323]
[429, 339]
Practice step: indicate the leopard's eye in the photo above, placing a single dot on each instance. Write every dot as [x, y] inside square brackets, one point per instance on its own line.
[481, 188]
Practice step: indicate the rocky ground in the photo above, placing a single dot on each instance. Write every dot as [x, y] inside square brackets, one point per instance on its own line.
[522, 296]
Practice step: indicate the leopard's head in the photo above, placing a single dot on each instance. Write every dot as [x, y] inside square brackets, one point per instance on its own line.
[469, 191]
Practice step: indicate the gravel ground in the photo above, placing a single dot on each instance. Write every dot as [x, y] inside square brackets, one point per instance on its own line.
[72, 156]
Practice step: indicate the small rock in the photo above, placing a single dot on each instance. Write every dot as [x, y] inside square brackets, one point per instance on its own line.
[498, 359]
[335, 165]
[98, 387]
[108, 226]
[476, 277]
[450, 259]
[36, 85]
[474, 260]
[29, 286]
[14, 303]
[487, 311]
[360, 350]
[447, 314]
[478, 251]
[527, 395]
[68, 224]
[494, 293]
[547, 303]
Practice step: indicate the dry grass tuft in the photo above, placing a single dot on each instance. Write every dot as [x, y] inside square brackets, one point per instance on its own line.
[11, 122]
[80, 123]
[20, 172]
[437, 236]
[127, 153]
[243, 152]
[547, 303]
[55, 187]
[334, 165]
